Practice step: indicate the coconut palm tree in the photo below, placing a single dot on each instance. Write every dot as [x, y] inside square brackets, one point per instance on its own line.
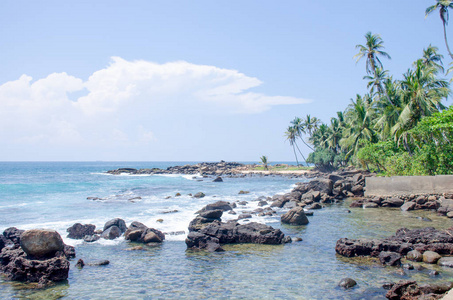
[264, 162]
[291, 135]
[372, 50]
[443, 6]
[311, 124]
[433, 59]
[375, 83]
[300, 126]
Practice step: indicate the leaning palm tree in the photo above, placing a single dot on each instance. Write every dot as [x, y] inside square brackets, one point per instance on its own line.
[372, 50]
[443, 6]
[264, 162]
[375, 83]
[300, 128]
[291, 137]
[311, 124]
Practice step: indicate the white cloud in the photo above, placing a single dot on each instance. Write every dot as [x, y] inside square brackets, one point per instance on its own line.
[121, 101]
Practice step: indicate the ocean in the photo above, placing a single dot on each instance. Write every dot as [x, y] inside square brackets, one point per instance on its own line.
[55, 195]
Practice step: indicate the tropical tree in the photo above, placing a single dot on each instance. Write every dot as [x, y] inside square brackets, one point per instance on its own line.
[291, 135]
[300, 128]
[375, 83]
[311, 124]
[443, 6]
[433, 59]
[372, 50]
[264, 162]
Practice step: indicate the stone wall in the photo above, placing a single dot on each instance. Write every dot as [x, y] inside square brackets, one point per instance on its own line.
[407, 185]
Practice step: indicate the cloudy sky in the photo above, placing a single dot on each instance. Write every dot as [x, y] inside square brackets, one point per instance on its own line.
[187, 80]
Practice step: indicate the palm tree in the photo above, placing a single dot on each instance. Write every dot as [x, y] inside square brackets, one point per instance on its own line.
[320, 137]
[375, 82]
[372, 50]
[432, 59]
[264, 162]
[443, 6]
[311, 124]
[422, 93]
[291, 137]
[300, 126]
[335, 134]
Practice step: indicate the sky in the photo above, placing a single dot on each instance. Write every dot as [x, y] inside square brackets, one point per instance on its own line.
[188, 80]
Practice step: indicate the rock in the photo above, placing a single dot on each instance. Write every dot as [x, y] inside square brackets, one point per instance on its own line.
[216, 233]
[178, 195]
[242, 202]
[111, 233]
[215, 214]
[298, 239]
[445, 262]
[40, 243]
[151, 237]
[199, 195]
[219, 205]
[295, 216]
[315, 206]
[433, 273]
[414, 255]
[15, 265]
[91, 238]
[100, 263]
[430, 257]
[136, 248]
[159, 220]
[408, 266]
[13, 234]
[218, 179]
[244, 216]
[357, 190]
[116, 222]
[393, 202]
[79, 231]
[408, 206]
[347, 283]
[370, 205]
[80, 264]
[404, 289]
[388, 258]
[243, 192]
[450, 214]
[321, 185]
[357, 203]
[262, 203]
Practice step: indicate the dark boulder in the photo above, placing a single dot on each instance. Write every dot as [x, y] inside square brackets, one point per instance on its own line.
[91, 238]
[199, 195]
[347, 283]
[218, 179]
[393, 202]
[212, 214]
[219, 205]
[79, 231]
[116, 222]
[13, 234]
[322, 185]
[140, 233]
[111, 233]
[408, 206]
[295, 216]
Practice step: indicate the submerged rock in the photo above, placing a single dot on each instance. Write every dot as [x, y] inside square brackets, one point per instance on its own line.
[347, 283]
[295, 216]
[79, 231]
[140, 233]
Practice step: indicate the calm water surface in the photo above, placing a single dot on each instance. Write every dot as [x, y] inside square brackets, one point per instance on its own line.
[53, 195]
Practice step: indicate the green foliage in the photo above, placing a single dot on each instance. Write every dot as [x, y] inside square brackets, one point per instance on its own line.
[326, 159]
[264, 161]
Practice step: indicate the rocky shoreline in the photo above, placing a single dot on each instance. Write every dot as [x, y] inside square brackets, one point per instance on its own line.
[207, 231]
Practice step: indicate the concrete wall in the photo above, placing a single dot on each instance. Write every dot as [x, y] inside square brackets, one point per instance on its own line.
[407, 185]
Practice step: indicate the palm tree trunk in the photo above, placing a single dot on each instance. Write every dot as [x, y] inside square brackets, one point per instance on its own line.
[305, 161]
[446, 43]
[295, 155]
[306, 144]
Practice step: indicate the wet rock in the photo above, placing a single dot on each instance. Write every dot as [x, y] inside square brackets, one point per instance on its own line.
[178, 195]
[116, 222]
[199, 195]
[388, 258]
[219, 205]
[218, 179]
[315, 206]
[242, 202]
[13, 234]
[322, 185]
[433, 273]
[100, 263]
[408, 266]
[80, 264]
[445, 262]
[91, 238]
[295, 216]
[414, 255]
[212, 214]
[111, 233]
[262, 203]
[152, 237]
[404, 289]
[357, 190]
[40, 243]
[243, 192]
[140, 233]
[244, 216]
[430, 257]
[79, 231]
[136, 248]
[216, 233]
[347, 283]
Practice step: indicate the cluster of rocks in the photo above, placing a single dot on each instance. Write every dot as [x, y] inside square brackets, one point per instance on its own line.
[327, 189]
[425, 244]
[208, 232]
[408, 289]
[37, 255]
[136, 232]
[207, 169]
[443, 204]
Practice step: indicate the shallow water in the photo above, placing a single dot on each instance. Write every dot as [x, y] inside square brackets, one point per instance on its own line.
[309, 269]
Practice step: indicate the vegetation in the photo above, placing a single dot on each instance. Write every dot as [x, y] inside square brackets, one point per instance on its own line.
[264, 162]
[399, 127]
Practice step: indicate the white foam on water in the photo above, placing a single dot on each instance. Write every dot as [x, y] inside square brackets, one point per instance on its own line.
[15, 205]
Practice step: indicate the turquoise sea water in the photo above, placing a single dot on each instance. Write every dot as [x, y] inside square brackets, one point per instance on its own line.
[54, 195]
